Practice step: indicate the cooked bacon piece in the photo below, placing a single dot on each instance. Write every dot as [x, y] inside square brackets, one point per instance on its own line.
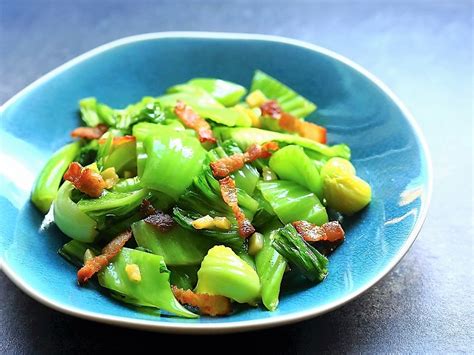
[162, 221]
[119, 140]
[90, 132]
[98, 262]
[304, 129]
[225, 166]
[271, 108]
[192, 120]
[328, 232]
[207, 304]
[229, 195]
[256, 151]
[146, 208]
[85, 180]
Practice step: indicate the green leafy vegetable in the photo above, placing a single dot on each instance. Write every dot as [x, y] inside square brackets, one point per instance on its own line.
[168, 152]
[94, 113]
[291, 163]
[112, 203]
[289, 100]
[122, 157]
[178, 246]
[48, 181]
[226, 92]
[292, 202]
[230, 237]
[74, 250]
[343, 190]
[223, 273]
[184, 277]
[153, 289]
[88, 153]
[270, 268]
[311, 263]
[245, 137]
[147, 110]
[68, 216]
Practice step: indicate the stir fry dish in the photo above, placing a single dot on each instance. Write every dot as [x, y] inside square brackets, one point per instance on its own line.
[201, 199]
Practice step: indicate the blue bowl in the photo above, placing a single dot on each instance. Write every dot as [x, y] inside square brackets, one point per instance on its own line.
[388, 151]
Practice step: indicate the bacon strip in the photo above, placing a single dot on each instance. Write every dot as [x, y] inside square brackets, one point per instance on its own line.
[90, 132]
[146, 208]
[162, 221]
[229, 195]
[85, 180]
[304, 129]
[271, 108]
[207, 304]
[191, 119]
[328, 232]
[225, 166]
[97, 263]
[291, 123]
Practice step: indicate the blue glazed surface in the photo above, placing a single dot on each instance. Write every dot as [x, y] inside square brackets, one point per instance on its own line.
[386, 152]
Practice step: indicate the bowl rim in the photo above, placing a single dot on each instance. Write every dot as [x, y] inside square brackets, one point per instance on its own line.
[238, 326]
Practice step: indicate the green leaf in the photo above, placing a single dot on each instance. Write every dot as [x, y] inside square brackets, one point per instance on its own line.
[93, 113]
[270, 268]
[167, 153]
[48, 181]
[245, 137]
[291, 163]
[230, 237]
[226, 92]
[154, 289]
[177, 246]
[184, 277]
[114, 204]
[70, 219]
[292, 202]
[223, 273]
[311, 263]
[73, 251]
[289, 100]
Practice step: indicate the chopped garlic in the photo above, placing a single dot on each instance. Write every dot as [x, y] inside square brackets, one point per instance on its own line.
[256, 98]
[205, 222]
[222, 223]
[133, 272]
[110, 177]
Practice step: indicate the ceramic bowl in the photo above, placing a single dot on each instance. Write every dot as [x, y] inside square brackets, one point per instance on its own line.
[358, 109]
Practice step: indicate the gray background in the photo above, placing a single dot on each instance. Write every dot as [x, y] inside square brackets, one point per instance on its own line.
[421, 49]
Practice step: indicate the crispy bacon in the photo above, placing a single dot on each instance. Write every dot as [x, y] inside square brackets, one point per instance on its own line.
[207, 304]
[225, 166]
[119, 140]
[191, 119]
[146, 208]
[328, 236]
[94, 265]
[256, 151]
[85, 180]
[229, 195]
[162, 221]
[90, 132]
[302, 128]
[271, 108]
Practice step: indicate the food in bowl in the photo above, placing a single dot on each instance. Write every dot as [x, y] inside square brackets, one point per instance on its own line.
[201, 198]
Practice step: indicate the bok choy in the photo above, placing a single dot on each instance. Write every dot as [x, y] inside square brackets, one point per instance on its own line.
[196, 197]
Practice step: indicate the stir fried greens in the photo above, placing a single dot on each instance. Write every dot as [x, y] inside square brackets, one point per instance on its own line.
[203, 197]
